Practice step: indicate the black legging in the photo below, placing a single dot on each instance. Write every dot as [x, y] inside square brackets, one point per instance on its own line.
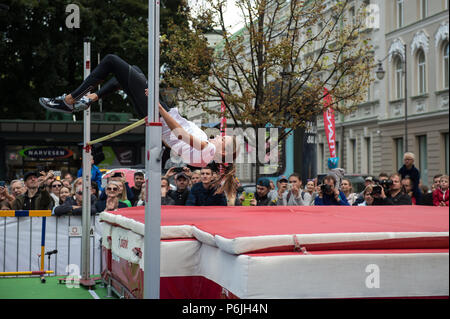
[130, 78]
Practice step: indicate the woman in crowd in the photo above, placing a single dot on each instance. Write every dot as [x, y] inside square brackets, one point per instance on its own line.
[74, 205]
[310, 193]
[112, 199]
[230, 186]
[122, 193]
[64, 193]
[368, 199]
[76, 183]
[347, 189]
[54, 189]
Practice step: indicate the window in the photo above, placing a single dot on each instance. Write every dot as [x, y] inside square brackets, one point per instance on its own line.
[368, 154]
[423, 160]
[445, 65]
[354, 159]
[446, 155]
[368, 95]
[337, 149]
[421, 69]
[321, 158]
[423, 9]
[398, 142]
[399, 13]
[398, 64]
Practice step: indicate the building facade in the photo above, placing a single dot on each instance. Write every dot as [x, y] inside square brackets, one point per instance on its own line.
[371, 140]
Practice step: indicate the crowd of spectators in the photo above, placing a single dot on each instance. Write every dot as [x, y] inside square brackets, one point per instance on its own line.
[208, 187]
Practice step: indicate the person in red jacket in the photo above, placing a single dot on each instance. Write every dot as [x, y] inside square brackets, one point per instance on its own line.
[441, 193]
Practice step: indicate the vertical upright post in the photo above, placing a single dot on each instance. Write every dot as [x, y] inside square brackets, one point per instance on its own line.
[87, 157]
[153, 132]
[406, 102]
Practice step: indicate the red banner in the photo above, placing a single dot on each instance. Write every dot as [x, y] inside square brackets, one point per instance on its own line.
[329, 123]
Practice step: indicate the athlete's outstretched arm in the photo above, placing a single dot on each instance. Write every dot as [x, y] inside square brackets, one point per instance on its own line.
[180, 131]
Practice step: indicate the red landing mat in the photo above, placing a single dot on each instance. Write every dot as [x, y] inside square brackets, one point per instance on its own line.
[249, 229]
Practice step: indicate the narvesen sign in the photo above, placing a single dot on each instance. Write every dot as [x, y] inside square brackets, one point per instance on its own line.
[44, 153]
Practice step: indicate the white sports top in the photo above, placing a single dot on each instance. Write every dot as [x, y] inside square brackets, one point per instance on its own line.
[188, 154]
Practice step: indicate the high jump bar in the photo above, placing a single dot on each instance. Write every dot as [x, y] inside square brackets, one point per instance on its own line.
[119, 132]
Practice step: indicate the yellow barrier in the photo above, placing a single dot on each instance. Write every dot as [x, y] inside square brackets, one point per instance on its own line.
[25, 213]
[25, 273]
[30, 213]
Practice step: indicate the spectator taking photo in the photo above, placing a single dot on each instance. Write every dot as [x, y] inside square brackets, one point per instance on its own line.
[329, 194]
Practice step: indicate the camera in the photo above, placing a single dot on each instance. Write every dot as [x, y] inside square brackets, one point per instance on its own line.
[325, 188]
[178, 170]
[386, 183]
[117, 174]
[376, 190]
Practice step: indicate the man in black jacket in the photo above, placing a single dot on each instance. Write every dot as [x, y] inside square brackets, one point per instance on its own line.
[396, 193]
[261, 196]
[36, 196]
[409, 170]
[139, 180]
[180, 195]
[202, 194]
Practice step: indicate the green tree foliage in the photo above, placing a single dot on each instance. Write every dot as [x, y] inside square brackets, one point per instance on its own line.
[42, 57]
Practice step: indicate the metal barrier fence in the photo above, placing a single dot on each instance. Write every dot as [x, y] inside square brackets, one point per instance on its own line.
[20, 244]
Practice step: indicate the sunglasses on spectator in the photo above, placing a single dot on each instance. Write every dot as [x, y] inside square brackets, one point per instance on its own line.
[112, 189]
[56, 185]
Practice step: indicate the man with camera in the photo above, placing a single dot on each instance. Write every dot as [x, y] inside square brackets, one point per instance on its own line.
[329, 194]
[396, 193]
[374, 195]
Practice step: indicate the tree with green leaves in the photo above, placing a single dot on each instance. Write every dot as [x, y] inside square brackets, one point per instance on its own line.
[275, 70]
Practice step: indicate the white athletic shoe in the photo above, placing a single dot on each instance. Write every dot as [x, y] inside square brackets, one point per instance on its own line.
[82, 104]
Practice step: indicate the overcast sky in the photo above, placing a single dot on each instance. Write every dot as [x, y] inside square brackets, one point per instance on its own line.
[232, 14]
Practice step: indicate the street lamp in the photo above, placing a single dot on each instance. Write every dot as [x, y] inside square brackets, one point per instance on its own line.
[380, 75]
